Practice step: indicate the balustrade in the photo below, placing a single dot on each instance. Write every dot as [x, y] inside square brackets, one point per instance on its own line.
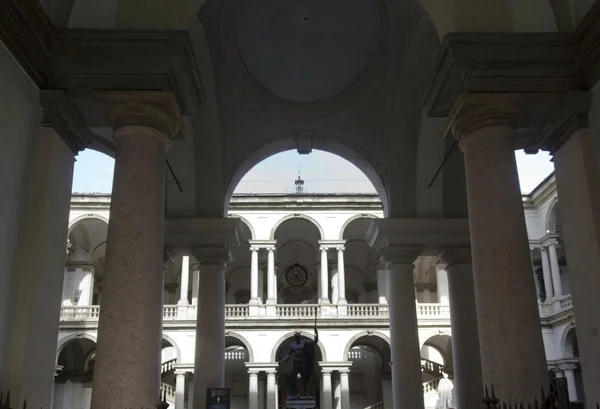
[168, 367]
[296, 310]
[167, 391]
[430, 387]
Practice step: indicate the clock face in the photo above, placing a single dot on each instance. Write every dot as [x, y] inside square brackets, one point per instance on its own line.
[296, 276]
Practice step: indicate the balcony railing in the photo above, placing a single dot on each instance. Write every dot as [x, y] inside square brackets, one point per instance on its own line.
[555, 306]
[235, 312]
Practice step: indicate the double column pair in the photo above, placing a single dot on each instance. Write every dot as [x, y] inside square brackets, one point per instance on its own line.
[324, 272]
[256, 388]
[551, 270]
[256, 274]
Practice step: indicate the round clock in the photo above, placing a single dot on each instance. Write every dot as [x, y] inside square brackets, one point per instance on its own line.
[296, 275]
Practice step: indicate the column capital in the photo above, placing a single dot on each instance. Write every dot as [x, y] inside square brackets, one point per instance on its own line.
[400, 255]
[472, 112]
[549, 240]
[60, 114]
[263, 243]
[454, 256]
[332, 244]
[153, 109]
[213, 256]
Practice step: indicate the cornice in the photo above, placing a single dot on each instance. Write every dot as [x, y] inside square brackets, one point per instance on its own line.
[28, 34]
[587, 36]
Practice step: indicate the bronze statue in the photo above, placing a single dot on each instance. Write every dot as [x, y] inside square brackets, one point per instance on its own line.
[302, 355]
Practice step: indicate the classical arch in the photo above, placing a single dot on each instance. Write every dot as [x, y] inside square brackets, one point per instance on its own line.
[290, 335]
[74, 222]
[167, 338]
[564, 341]
[63, 342]
[296, 241]
[550, 224]
[247, 223]
[243, 341]
[297, 216]
[356, 217]
[285, 141]
[355, 338]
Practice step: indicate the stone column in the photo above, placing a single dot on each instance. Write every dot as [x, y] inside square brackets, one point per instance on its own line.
[334, 286]
[130, 325]
[253, 275]
[180, 382]
[209, 363]
[571, 385]
[271, 389]
[324, 277]
[405, 348]
[468, 385]
[345, 387]
[578, 188]
[442, 284]
[195, 282]
[252, 390]
[512, 350]
[326, 389]
[337, 393]
[341, 276]
[185, 280]
[554, 267]
[546, 273]
[382, 283]
[271, 275]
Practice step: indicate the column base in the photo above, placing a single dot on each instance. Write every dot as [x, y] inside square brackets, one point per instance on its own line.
[182, 303]
[324, 301]
[301, 403]
[271, 301]
[342, 301]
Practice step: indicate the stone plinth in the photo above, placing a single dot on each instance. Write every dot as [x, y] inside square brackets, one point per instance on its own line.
[301, 403]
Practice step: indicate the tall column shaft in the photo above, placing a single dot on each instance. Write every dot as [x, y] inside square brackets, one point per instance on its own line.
[271, 276]
[334, 286]
[327, 402]
[554, 267]
[571, 385]
[195, 281]
[405, 350]
[325, 277]
[271, 390]
[253, 275]
[185, 280]
[382, 285]
[468, 384]
[252, 390]
[546, 274]
[345, 387]
[130, 325]
[180, 382]
[32, 260]
[442, 284]
[209, 363]
[512, 351]
[578, 188]
[341, 276]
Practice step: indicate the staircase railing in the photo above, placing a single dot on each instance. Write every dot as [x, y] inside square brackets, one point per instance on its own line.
[168, 367]
[378, 405]
[432, 368]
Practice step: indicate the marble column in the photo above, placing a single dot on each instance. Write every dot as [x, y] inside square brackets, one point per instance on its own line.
[326, 390]
[253, 275]
[405, 348]
[337, 393]
[271, 275]
[468, 385]
[578, 187]
[252, 390]
[442, 284]
[334, 286]
[546, 274]
[382, 288]
[555, 269]
[195, 281]
[341, 276]
[209, 363]
[512, 351]
[130, 325]
[180, 382]
[324, 277]
[271, 389]
[185, 281]
[345, 388]
[569, 372]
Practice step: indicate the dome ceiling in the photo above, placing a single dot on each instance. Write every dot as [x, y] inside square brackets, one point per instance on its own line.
[306, 51]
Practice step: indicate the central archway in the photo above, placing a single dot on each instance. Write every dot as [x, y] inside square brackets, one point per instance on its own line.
[288, 141]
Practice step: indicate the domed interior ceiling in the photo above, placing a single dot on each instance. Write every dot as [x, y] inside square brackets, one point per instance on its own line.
[306, 51]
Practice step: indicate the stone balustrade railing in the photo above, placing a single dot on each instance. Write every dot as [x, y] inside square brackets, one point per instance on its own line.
[555, 306]
[167, 391]
[430, 387]
[234, 312]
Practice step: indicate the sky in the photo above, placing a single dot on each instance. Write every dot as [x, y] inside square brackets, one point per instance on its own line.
[322, 172]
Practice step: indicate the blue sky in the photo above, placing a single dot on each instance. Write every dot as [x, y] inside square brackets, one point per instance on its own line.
[323, 173]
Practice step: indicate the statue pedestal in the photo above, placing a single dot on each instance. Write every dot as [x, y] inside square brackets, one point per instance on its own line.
[301, 403]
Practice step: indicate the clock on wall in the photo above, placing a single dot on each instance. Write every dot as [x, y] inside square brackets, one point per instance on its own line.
[296, 275]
